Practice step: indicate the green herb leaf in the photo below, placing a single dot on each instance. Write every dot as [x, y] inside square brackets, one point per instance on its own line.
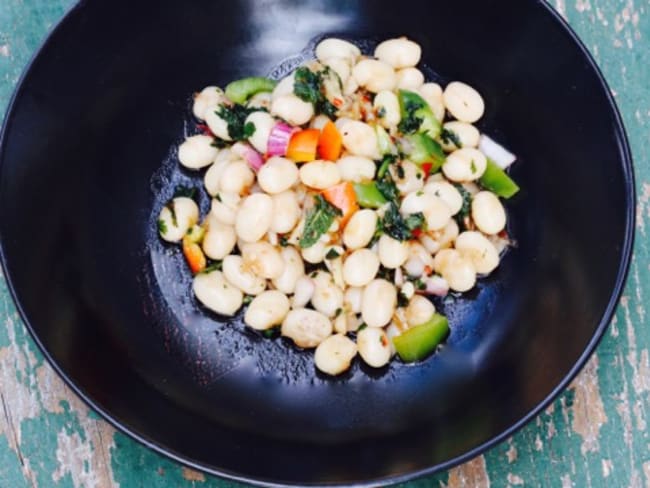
[283, 241]
[387, 188]
[308, 86]
[162, 226]
[332, 254]
[386, 161]
[402, 301]
[247, 299]
[410, 123]
[235, 117]
[450, 137]
[398, 227]
[467, 204]
[212, 266]
[185, 191]
[319, 220]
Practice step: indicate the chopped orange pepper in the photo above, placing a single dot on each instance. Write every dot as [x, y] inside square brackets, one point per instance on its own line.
[343, 197]
[194, 255]
[303, 145]
[330, 142]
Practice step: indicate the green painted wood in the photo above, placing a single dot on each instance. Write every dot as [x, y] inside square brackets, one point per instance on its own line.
[594, 435]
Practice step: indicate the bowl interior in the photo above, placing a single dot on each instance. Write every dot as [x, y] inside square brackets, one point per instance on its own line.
[88, 156]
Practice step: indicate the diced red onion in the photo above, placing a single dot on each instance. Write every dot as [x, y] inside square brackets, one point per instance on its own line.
[496, 152]
[279, 139]
[436, 285]
[250, 155]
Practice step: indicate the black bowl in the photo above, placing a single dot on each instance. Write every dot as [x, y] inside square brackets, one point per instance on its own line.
[88, 155]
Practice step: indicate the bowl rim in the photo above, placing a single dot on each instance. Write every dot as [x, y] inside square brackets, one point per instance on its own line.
[621, 279]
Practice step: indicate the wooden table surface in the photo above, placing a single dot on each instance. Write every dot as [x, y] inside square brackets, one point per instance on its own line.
[595, 434]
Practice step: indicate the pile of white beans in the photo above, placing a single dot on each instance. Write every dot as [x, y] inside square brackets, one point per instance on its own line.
[257, 217]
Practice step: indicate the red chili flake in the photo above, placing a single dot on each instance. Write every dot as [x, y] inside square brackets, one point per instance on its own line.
[504, 234]
[428, 270]
[416, 233]
[337, 102]
[205, 129]
[426, 167]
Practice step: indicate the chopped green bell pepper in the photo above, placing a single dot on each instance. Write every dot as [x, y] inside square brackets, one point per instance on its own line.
[384, 142]
[418, 342]
[417, 116]
[368, 195]
[497, 181]
[422, 149]
[241, 90]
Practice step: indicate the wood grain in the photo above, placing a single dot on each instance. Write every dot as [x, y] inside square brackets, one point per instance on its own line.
[594, 435]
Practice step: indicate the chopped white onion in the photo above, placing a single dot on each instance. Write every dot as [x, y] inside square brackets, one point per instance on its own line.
[496, 152]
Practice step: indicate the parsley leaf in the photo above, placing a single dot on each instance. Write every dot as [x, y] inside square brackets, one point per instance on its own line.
[162, 226]
[467, 203]
[319, 220]
[308, 86]
[235, 117]
[410, 123]
[398, 227]
[450, 137]
[212, 266]
[387, 187]
[332, 254]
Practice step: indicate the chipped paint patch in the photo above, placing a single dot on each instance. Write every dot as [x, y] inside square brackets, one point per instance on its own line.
[646, 472]
[473, 473]
[511, 453]
[607, 467]
[515, 480]
[588, 410]
[560, 6]
[566, 481]
[4, 50]
[583, 5]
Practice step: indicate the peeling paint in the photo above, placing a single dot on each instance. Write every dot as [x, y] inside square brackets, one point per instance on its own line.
[511, 453]
[607, 467]
[4, 50]
[588, 411]
[192, 475]
[513, 479]
[472, 474]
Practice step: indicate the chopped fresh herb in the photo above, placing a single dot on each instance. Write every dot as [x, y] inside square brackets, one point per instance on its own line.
[219, 143]
[398, 227]
[419, 193]
[338, 312]
[381, 113]
[410, 122]
[386, 274]
[313, 274]
[402, 300]
[235, 117]
[378, 232]
[400, 171]
[362, 326]
[450, 137]
[472, 166]
[212, 266]
[283, 241]
[332, 254]
[308, 86]
[467, 204]
[185, 191]
[386, 161]
[162, 226]
[271, 333]
[217, 197]
[387, 188]
[419, 284]
[319, 220]
[247, 299]
[418, 175]
[172, 209]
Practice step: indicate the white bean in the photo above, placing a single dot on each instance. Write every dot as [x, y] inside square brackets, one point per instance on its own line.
[419, 310]
[488, 213]
[336, 48]
[292, 109]
[412, 179]
[356, 168]
[360, 267]
[260, 100]
[307, 328]
[467, 135]
[447, 193]
[224, 207]
[210, 96]
[216, 293]
[340, 323]
[409, 79]
[419, 258]
[237, 273]
[467, 164]
[294, 268]
[440, 239]
[378, 303]
[479, 250]
[277, 175]
[374, 75]
[176, 218]
[392, 253]
[286, 212]
[458, 271]
[217, 125]
[304, 290]
[334, 355]
[359, 139]
[360, 229]
[374, 346]
[399, 53]
[463, 102]
[219, 239]
[263, 259]
[319, 122]
[432, 94]
[236, 177]
[212, 178]
[436, 212]
[320, 174]
[284, 87]
[352, 299]
[197, 152]
[386, 105]
[254, 217]
[341, 67]
[267, 310]
[263, 123]
[392, 331]
[407, 290]
[314, 254]
[351, 86]
[327, 298]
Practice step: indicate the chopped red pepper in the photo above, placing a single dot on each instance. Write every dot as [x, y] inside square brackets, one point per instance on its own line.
[205, 129]
[416, 233]
[426, 167]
